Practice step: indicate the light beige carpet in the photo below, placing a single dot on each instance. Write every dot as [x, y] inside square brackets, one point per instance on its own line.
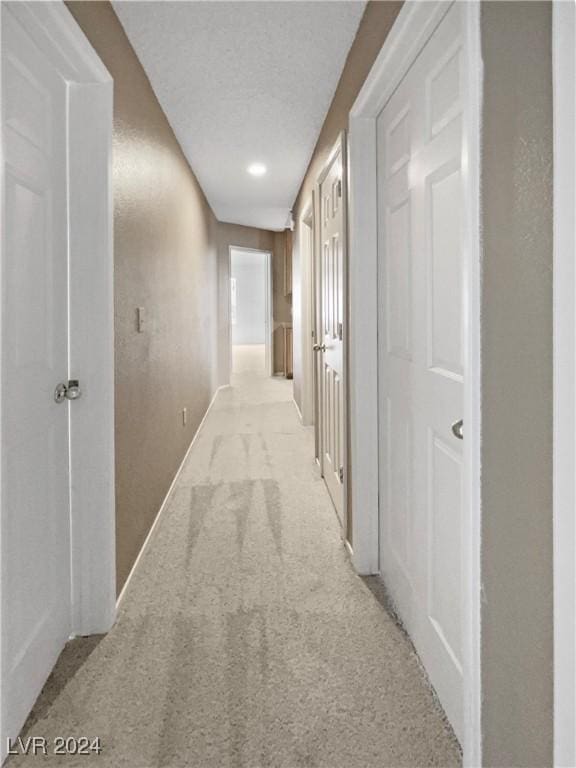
[249, 358]
[246, 639]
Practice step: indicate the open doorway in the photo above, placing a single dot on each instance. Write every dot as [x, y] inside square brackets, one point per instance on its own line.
[251, 311]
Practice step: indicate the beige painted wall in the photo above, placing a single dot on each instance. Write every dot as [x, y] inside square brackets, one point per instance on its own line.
[164, 261]
[282, 302]
[517, 629]
[171, 257]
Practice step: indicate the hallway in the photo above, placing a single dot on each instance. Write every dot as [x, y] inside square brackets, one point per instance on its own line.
[245, 638]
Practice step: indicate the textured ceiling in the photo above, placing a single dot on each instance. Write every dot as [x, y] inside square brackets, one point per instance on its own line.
[244, 82]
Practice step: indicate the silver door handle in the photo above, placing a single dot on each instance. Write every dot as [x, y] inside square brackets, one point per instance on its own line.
[319, 347]
[458, 429]
[70, 391]
[73, 391]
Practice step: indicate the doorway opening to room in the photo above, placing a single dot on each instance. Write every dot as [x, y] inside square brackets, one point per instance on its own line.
[251, 311]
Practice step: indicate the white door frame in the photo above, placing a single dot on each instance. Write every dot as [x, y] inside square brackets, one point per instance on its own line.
[564, 74]
[316, 320]
[306, 246]
[91, 313]
[269, 307]
[414, 25]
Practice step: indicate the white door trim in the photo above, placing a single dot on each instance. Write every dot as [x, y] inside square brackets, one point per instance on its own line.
[564, 79]
[307, 308]
[414, 25]
[269, 307]
[269, 316]
[91, 311]
[317, 326]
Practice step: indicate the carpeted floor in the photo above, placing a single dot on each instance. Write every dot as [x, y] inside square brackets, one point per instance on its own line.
[249, 358]
[245, 638]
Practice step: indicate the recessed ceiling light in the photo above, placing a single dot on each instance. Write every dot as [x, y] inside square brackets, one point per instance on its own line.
[257, 169]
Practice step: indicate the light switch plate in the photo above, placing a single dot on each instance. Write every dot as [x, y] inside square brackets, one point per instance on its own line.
[140, 319]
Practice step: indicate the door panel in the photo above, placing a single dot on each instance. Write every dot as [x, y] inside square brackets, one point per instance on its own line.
[331, 363]
[421, 355]
[445, 282]
[35, 483]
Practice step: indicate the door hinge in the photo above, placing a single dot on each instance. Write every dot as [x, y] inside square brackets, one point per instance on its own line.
[341, 474]
[339, 188]
[340, 331]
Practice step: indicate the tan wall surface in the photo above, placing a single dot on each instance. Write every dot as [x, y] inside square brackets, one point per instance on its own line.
[517, 628]
[282, 302]
[165, 261]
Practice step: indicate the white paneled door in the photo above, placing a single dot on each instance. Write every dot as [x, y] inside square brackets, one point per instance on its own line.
[330, 346]
[35, 533]
[420, 345]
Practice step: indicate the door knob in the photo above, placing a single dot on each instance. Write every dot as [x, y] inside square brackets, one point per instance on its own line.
[70, 391]
[60, 392]
[73, 391]
[319, 347]
[458, 429]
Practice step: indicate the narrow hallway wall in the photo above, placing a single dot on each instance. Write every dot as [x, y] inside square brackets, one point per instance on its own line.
[517, 604]
[166, 262]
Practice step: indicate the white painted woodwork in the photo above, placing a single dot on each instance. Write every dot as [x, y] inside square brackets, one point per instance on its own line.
[303, 315]
[57, 579]
[421, 355]
[412, 29]
[564, 46]
[332, 254]
[36, 591]
[317, 328]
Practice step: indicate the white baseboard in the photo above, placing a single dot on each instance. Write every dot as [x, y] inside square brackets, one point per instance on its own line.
[166, 499]
[298, 411]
